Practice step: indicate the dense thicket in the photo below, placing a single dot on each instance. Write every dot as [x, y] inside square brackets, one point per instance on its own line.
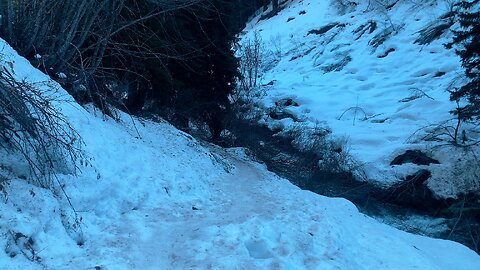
[469, 38]
[169, 57]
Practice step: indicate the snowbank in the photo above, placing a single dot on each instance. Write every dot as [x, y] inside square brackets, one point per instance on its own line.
[364, 71]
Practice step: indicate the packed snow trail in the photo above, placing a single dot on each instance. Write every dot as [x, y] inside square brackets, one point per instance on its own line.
[256, 220]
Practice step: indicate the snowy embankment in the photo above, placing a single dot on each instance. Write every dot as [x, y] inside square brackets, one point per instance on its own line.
[151, 197]
[377, 76]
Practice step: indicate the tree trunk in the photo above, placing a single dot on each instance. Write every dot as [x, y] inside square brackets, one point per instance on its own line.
[275, 5]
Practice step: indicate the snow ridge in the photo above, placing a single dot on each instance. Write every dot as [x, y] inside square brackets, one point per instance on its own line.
[374, 74]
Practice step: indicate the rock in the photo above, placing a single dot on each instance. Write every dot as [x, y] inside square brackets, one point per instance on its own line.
[280, 114]
[286, 102]
[324, 29]
[270, 83]
[415, 157]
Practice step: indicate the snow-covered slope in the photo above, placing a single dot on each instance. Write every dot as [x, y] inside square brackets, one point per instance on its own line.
[152, 197]
[366, 71]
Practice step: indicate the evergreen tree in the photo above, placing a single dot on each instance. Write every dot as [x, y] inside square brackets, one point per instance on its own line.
[195, 85]
[469, 39]
[275, 5]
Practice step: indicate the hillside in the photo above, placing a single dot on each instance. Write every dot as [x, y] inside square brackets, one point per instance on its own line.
[375, 78]
[148, 196]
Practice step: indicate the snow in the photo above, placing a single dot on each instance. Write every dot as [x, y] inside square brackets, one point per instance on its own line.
[151, 197]
[384, 99]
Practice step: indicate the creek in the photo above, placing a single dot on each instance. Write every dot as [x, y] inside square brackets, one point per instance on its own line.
[419, 212]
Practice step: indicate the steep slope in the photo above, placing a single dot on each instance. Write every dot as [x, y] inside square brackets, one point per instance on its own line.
[152, 197]
[377, 75]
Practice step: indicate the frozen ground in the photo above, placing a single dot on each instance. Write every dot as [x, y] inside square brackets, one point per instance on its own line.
[151, 197]
[361, 71]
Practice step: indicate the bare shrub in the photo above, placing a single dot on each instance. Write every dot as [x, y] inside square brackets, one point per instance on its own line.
[76, 33]
[254, 59]
[333, 153]
[386, 5]
[276, 44]
[33, 127]
[344, 6]
[381, 37]
[89, 42]
[250, 61]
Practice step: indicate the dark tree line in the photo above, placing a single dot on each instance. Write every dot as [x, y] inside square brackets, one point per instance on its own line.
[469, 39]
[173, 58]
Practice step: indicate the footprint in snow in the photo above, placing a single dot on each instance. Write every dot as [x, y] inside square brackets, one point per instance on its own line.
[258, 249]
